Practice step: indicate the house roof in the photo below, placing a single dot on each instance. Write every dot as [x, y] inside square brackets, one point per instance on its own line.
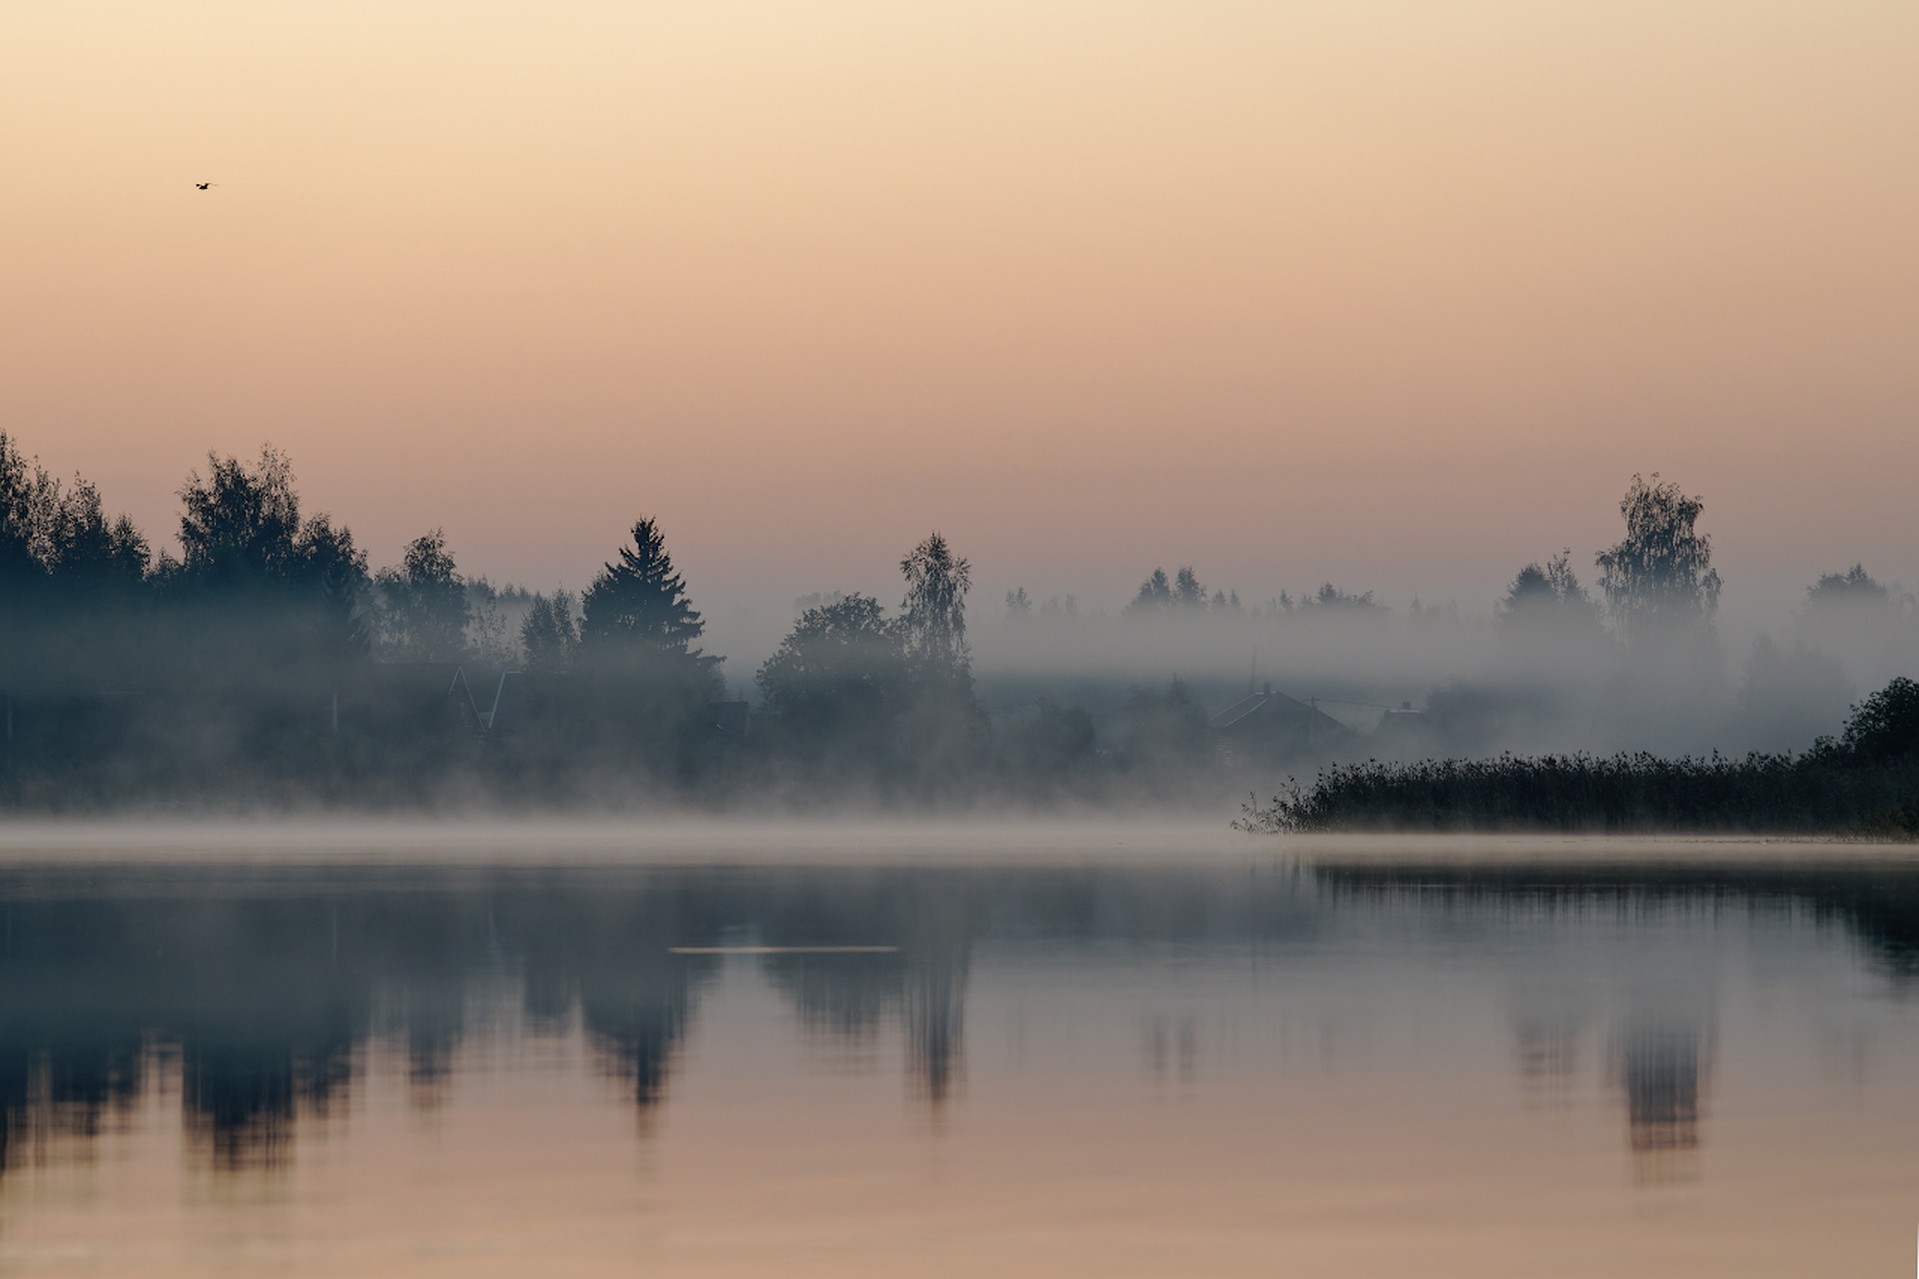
[1268, 702]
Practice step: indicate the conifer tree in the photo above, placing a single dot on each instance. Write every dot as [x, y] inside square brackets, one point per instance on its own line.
[637, 607]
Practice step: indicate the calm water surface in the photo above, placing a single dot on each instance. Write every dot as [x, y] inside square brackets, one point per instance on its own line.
[1570, 1060]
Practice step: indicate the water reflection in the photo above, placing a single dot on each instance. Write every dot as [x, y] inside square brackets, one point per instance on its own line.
[1172, 1048]
[1661, 1050]
[257, 996]
[1876, 902]
[1662, 1068]
[1547, 1038]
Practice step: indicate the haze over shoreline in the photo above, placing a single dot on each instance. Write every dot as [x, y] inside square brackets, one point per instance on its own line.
[452, 843]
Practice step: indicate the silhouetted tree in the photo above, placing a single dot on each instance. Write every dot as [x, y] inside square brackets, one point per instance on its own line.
[1862, 621]
[637, 608]
[644, 687]
[488, 609]
[90, 553]
[946, 735]
[1017, 604]
[842, 673]
[1056, 606]
[1183, 590]
[423, 603]
[1659, 578]
[58, 550]
[1853, 585]
[1330, 599]
[330, 578]
[548, 632]
[293, 587]
[68, 580]
[1547, 602]
[933, 616]
[27, 496]
[1155, 594]
[241, 523]
[1188, 590]
[1883, 729]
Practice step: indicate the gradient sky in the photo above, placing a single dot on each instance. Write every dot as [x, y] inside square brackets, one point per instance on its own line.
[1397, 293]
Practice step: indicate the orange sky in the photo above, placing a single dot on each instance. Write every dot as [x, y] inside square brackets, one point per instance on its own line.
[1398, 293]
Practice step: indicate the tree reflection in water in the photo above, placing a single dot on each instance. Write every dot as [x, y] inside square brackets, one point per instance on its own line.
[1661, 1070]
[258, 993]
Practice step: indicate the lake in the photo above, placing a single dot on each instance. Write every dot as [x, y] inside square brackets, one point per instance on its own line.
[952, 1051]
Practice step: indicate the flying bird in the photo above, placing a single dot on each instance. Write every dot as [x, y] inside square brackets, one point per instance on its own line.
[201, 186]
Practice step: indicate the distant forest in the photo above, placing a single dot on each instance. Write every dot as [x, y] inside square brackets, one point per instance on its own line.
[267, 666]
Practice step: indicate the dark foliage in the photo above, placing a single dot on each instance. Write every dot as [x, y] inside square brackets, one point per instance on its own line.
[1155, 593]
[1330, 599]
[1546, 602]
[265, 667]
[256, 581]
[1883, 729]
[1184, 593]
[549, 634]
[1659, 580]
[842, 679]
[1867, 783]
[1855, 584]
[933, 614]
[423, 604]
[883, 705]
[637, 610]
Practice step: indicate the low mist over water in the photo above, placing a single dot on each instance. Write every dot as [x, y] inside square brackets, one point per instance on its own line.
[968, 639]
[971, 1053]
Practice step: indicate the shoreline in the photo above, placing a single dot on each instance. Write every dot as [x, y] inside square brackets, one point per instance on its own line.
[877, 842]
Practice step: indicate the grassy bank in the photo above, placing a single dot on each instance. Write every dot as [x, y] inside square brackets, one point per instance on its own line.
[1864, 783]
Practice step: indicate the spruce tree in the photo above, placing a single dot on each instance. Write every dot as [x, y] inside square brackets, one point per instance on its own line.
[637, 607]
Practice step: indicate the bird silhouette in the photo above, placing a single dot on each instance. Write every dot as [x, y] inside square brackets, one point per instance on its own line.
[201, 186]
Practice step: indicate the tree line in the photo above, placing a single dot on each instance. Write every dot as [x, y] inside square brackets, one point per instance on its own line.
[1656, 582]
[267, 662]
[266, 659]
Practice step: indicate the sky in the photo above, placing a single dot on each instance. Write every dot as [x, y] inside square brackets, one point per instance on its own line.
[1391, 292]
